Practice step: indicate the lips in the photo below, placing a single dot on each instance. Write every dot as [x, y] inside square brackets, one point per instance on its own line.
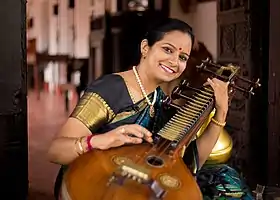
[167, 69]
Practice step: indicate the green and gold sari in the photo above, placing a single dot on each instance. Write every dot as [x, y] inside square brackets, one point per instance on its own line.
[107, 104]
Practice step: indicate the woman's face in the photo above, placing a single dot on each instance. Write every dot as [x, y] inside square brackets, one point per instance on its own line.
[167, 58]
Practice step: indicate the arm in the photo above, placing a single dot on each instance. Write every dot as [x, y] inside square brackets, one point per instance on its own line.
[90, 113]
[207, 141]
[64, 148]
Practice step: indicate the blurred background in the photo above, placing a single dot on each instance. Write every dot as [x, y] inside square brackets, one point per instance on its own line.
[70, 43]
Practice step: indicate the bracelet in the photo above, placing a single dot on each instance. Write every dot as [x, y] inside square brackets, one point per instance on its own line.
[222, 124]
[75, 145]
[77, 149]
[79, 141]
[89, 146]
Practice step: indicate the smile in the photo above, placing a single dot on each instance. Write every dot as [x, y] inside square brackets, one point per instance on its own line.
[167, 69]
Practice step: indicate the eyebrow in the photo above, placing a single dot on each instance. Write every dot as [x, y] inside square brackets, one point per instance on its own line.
[176, 48]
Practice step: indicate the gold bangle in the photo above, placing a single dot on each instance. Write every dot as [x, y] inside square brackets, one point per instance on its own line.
[79, 141]
[75, 145]
[222, 124]
[80, 144]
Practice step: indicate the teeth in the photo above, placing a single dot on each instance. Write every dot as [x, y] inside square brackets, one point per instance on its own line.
[167, 69]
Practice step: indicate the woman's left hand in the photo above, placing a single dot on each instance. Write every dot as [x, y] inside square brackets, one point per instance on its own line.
[221, 94]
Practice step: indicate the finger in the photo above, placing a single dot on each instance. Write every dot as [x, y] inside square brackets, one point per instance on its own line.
[128, 130]
[131, 140]
[138, 130]
[205, 84]
[147, 135]
[219, 82]
[211, 83]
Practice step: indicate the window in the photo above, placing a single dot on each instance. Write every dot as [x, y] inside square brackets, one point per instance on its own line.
[55, 9]
[30, 22]
[71, 3]
[139, 5]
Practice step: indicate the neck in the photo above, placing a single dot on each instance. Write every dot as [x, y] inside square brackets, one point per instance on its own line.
[167, 87]
[149, 82]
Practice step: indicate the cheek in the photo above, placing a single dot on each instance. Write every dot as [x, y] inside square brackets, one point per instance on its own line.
[156, 58]
[182, 66]
[159, 56]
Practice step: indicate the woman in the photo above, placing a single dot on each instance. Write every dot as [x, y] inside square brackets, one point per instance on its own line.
[126, 107]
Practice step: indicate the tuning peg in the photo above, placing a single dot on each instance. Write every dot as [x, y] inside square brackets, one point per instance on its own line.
[177, 93]
[257, 83]
[167, 103]
[246, 92]
[251, 91]
[186, 85]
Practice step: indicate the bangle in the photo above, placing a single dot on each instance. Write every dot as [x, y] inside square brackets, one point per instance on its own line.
[78, 143]
[222, 124]
[89, 146]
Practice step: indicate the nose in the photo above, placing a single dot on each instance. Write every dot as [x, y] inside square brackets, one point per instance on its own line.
[174, 59]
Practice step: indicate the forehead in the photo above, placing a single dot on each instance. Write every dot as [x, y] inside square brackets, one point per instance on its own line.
[178, 39]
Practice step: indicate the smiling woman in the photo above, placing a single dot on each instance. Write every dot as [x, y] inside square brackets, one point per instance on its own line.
[126, 107]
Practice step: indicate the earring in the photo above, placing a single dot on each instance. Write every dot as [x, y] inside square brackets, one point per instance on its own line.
[143, 56]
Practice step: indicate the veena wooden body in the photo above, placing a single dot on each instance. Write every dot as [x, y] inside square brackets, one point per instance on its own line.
[172, 176]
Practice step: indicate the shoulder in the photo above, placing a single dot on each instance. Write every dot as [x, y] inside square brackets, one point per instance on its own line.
[111, 88]
[103, 83]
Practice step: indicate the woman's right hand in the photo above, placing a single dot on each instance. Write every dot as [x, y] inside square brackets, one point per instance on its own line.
[126, 134]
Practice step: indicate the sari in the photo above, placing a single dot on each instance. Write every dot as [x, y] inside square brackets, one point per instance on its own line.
[107, 104]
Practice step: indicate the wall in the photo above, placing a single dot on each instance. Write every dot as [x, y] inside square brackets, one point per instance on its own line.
[203, 19]
[48, 27]
[37, 10]
[205, 25]
[177, 12]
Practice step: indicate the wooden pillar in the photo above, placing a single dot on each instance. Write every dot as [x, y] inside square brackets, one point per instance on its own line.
[248, 35]
[13, 103]
[241, 40]
[273, 153]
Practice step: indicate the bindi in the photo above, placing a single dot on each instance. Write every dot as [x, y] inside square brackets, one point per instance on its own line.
[180, 49]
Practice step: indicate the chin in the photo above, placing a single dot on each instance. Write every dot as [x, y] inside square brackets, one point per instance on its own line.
[169, 78]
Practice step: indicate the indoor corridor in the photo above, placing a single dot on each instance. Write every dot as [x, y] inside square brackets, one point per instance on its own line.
[45, 117]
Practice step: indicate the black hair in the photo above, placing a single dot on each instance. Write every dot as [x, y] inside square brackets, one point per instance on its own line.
[157, 30]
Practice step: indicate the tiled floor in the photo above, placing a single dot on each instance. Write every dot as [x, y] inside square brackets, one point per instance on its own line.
[45, 116]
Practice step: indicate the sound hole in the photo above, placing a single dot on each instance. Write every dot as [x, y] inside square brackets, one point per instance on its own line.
[155, 161]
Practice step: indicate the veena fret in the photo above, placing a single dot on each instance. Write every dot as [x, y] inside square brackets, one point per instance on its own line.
[187, 116]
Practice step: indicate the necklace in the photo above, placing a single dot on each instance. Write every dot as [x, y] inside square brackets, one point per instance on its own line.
[151, 104]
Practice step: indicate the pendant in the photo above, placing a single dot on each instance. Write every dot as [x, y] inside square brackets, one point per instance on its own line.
[152, 111]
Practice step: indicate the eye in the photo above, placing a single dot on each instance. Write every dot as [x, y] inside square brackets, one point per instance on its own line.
[183, 57]
[167, 49]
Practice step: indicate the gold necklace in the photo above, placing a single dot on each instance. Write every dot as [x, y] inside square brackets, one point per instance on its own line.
[151, 104]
